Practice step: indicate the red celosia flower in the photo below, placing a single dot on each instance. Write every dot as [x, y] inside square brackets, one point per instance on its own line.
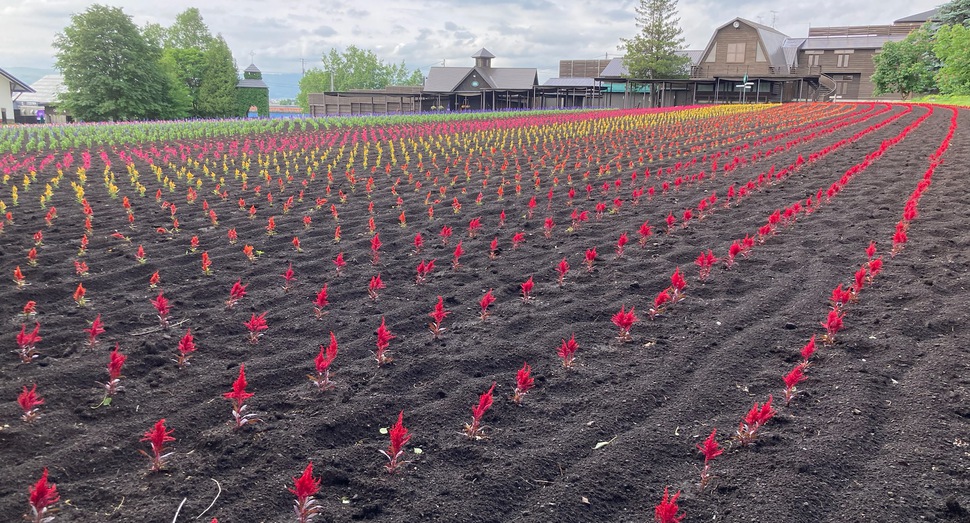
[438, 315]
[238, 397]
[375, 285]
[30, 402]
[517, 240]
[645, 233]
[840, 297]
[161, 306]
[339, 262]
[304, 488]
[621, 244]
[484, 303]
[154, 280]
[186, 347]
[875, 267]
[157, 437]
[475, 429]
[624, 320]
[399, 437]
[96, 329]
[666, 511]
[567, 351]
[459, 251]
[832, 324]
[756, 417]
[590, 258]
[375, 248]
[561, 269]
[871, 250]
[677, 285]
[322, 363]
[547, 227]
[384, 337]
[79, 295]
[808, 350]
[288, 278]
[27, 342]
[206, 263]
[256, 326]
[320, 302]
[523, 383]
[792, 379]
[711, 450]
[42, 496]
[236, 293]
[527, 286]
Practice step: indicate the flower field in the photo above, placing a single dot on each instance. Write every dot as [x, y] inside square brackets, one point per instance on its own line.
[725, 313]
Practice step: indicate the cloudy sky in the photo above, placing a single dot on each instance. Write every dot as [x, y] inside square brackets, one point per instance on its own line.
[423, 33]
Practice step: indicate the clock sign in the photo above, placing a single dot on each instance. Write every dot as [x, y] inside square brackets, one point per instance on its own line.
[474, 83]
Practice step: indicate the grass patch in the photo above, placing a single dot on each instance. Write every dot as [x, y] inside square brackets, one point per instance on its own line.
[949, 99]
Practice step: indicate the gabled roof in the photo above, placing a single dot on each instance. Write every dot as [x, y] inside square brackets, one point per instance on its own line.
[447, 79]
[18, 86]
[46, 91]
[616, 68]
[918, 18]
[772, 39]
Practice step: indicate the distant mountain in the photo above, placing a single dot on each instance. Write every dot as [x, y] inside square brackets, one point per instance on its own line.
[281, 85]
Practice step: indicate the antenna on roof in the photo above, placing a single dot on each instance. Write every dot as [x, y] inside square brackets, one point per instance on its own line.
[773, 16]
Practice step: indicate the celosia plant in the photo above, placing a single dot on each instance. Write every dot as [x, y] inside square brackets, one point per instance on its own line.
[793, 378]
[157, 437]
[475, 429]
[186, 347]
[523, 383]
[484, 303]
[96, 329]
[238, 397]
[27, 342]
[30, 403]
[438, 315]
[754, 420]
[567, 351]
[395, 450]
[256, 325]
[161, 307]
[304, 488]
[384, 337]
[710, 449]
[322, 363]
[236, 293]
[624, 320]
[375, 285]
[320, 302]
[527, 287]
[667, 510]
[42, 496]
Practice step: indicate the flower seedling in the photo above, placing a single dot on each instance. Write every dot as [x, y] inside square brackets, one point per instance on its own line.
[793, 378]
[527, 287]
[30, 309]
[79, 298]
[320, 302]
[339, 262]
[161, 307]
[590, 259]
[30, 403]
[475, 429]
[321, 380]
[304, 488]
[493, 248]
[667, 510]
[523, 383]
[206, 264]
[621, 244]
[154, 280]
[423, 270]
[186, 347]
[547, 227]
[832, 324]
[256, 325]
[296, 244]
[445, 234]
[645, 233]
[875, 267]
[250, 253]
[418, 243]
[754, 420]
[517, 239]
[438, 315]
[140, 255]
[567, 352]
[236, 293]
[375, 285]
[157, 437]
[677, 286]
[27, 343]
[238, 397]
[115, 361]
[484, 303]
[624, 320]
[659, 304]
[561, 269]
[395, 450]
[375, 249]
[384, 337]
[288, 278]
[807, 351]
[710, 449]
[42, 497]
[705, 263]
[96, 329]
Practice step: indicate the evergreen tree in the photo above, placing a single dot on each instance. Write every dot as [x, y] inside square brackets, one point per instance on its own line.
[188, 31]
[217, 89]
[110, 71]
[653, 52]
[955, 12]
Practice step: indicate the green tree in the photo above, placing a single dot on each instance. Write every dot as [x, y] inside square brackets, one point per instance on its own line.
[110, 71]
[653, 53]
[955, 12]
[906, 67]
[184, 67]
[217, 88]
[313, 81]
[179, 94]
[188, 31]
[952, 48]
[355, 68]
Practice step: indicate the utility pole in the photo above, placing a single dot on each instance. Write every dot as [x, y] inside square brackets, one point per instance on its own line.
[331, 80]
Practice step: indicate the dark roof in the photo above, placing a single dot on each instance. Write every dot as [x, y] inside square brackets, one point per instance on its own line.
[918, 18]
[18, 86]
[447, 79]
[483, 53]
[252, 69]
[249, 82]
[818, 43]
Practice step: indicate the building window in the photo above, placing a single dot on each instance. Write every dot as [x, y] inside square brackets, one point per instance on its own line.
[843, 60]
[812, 59]
[735, 53]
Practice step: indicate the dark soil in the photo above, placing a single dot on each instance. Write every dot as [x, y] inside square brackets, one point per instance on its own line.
[880, 430]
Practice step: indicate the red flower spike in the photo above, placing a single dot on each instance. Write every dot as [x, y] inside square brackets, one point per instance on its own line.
[645, 233]
[375, 247]
[710, 449]
[320, 302]
[157, 437]
[523, 383]
[42, 495]
[590, 258]
[438, 315]
[186, 347]
[288, 278]
[256, 325]
[832, 324]
[875, 267]
[793, 378]
[161, 307]
[384, 337]
[561, 269]
[322, 363]
[485, 302]
[27, 342]
[238, 397]
[666, 511]
[30, 402]
[755, 419]
[304, 488]
[517, 240]
[527, 286]
[373, 286]
[567, 351]
[79, 295]
[475, 429]
[236, 293]
[459, 251]
[399, 437]
[418, 243]
[871, 250]
[808, 350]
[624, 320]
[339, 262]
[96, 329]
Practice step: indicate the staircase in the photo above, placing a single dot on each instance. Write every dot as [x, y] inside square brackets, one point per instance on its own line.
[826, 88]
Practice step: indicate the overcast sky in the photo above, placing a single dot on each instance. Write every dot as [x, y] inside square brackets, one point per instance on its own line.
[423, 33]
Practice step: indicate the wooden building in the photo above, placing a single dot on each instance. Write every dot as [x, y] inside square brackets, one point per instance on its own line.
[10, 87]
